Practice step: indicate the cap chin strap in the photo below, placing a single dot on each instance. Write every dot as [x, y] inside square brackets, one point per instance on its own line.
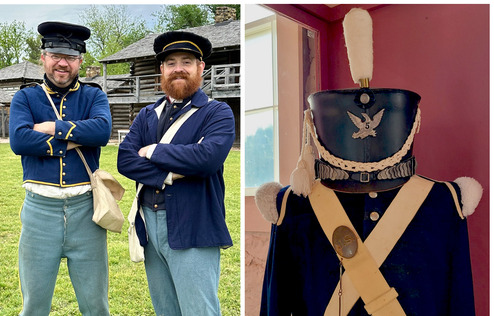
[355, 166]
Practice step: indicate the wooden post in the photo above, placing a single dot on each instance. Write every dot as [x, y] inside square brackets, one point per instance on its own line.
[138, 88]
[104, 77]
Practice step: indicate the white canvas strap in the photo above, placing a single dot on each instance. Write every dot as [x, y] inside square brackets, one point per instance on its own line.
[43, 86]
[362, 277]
[166, 139]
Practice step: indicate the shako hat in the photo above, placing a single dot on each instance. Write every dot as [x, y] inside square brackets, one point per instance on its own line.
[364, 137]
[180, 41]
[63, 38]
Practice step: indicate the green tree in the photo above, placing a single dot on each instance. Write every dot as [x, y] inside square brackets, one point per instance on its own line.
[176, 17]
[112, 29]
[33, 44]
[12, 42]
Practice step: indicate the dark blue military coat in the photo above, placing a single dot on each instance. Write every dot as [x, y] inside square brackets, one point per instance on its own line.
[194, 204]
[86, 120]
[429, 267]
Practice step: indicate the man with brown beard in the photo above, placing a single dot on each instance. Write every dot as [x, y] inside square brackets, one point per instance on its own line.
[181, 218]
[57, 211]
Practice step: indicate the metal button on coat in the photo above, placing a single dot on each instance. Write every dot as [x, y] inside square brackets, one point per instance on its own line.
[373, 195]
[374, 216]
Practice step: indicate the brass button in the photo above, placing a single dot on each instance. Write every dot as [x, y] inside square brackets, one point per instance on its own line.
[171, 118]
[157, 191]
[63, 182]
[64, 164]
[48, 151]
[59, 133]
[63, 174]
[61, 152]
[374, 216]
[155, 205]
[71, 135]
[64, 107]
[63, 115]
[174, 106]
[373, 195]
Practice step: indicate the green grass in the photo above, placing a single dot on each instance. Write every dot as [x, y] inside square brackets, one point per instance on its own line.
[128, 294]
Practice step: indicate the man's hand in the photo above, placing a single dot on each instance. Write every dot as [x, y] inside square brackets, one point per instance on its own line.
[143, 151]
[176, 176]
[45, 127]
[72, 145]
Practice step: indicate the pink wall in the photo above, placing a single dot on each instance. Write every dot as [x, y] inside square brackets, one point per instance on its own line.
[442, 53]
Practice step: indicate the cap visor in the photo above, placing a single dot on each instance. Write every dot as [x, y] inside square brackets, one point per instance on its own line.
[63, 50]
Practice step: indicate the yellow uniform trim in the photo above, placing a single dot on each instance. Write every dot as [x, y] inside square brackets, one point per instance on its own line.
[70, 130]
[178, 42]
[56, 184]
[49, 145]
[283, 206]
[455, 198]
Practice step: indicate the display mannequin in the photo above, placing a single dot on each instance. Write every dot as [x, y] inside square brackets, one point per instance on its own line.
[358, 232]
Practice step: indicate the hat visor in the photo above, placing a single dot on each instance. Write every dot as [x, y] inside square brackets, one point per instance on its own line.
[63, 50]
[162, 55]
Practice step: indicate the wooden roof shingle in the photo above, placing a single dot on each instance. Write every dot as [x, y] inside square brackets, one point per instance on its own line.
[25, 71]
[222, 35]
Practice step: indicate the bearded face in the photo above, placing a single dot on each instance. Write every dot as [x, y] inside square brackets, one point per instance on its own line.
[181, 75]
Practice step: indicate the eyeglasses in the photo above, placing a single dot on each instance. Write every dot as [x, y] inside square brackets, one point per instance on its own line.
[69, 59]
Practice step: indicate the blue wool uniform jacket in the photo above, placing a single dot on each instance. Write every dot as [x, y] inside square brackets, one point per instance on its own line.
[429, 267]
[86, 120]
[194, 204]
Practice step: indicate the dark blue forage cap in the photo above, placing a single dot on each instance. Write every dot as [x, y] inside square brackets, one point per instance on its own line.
[63, 38]
[180, 41]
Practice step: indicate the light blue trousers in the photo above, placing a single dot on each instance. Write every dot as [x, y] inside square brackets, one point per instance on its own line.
[181, 282]
[53, 229]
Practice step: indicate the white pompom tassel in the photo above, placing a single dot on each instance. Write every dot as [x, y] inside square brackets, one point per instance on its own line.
[303, 176]
[265, 199]
[471, 193]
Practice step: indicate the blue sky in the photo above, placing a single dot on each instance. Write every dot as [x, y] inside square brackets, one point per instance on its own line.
[34, 14]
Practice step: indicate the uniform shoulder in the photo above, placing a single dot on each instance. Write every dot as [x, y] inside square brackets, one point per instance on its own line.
[91, 84]
[271, 198]
[28, 85]
[465, 191]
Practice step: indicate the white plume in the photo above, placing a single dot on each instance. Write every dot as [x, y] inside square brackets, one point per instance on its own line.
[357, 28]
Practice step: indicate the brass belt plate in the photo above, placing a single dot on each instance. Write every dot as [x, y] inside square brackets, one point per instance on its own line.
[345, 242]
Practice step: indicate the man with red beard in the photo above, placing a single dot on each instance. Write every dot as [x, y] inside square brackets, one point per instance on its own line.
[181, 218]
